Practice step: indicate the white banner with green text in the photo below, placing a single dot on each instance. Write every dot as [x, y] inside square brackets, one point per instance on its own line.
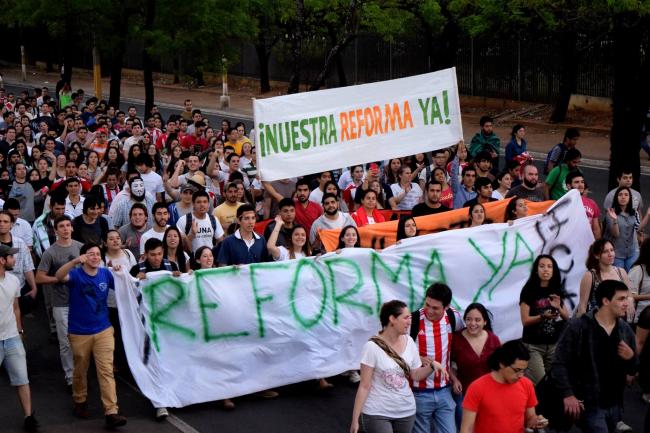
[226, 332]
[311, 132]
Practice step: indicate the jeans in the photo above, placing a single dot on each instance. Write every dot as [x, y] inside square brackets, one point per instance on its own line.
[382, 424]
[12, 354]
[435, 406]
[458, 399]
[626, 262]
[100, 346]
[60, 315]
[598, 420]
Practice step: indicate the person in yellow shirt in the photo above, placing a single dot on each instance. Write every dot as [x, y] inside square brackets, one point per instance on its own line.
[233, 141]
[226, 212]
[241, 136]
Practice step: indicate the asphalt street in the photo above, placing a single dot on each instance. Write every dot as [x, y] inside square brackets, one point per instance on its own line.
[300, 408]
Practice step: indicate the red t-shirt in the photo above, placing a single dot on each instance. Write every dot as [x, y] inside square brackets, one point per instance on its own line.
[591, 208]
[499, 406]
[306, 216]
[190, 140]
[447, 198]
[470, 365]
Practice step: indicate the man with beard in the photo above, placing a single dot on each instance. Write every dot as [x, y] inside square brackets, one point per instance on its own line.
[226, 212]
[432, 204]
[122, 204]
[331, 219]
[306, 211]
[157, 231]
[528, 189]
[132, 233]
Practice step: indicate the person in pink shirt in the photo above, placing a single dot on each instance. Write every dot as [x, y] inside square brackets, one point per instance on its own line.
[576, 180]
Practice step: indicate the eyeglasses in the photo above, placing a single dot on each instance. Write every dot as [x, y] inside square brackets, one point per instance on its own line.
[521, 371]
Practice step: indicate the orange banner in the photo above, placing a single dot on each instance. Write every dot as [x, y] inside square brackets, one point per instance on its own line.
[384, 234]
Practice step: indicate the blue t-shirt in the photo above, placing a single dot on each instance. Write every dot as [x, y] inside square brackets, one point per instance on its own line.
[88, 313]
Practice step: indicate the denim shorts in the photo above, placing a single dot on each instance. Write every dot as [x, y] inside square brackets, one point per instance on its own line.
[12, 356]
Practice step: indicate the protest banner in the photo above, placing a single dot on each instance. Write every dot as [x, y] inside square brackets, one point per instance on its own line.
[226, 332]
[384, 234]
[311, 132]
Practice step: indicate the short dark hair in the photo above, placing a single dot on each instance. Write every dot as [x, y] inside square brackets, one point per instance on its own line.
[572, 154]
[231, 156]
[484, 120]
[151, 244]
[571, 133]
[246, 207]
[607, 289]
[483, 155]
[88, 246]
[61, 219]
[158, 205]
[364, 192]
[57, 199]
[440, 292]
[138, 206]
[11, 204]
[329, 195]
[302, 182]
[572, 175]
[507, 354]
[200, 193]
[70, 180]
[144, 158]
[90, 202]
[286, 202]
[481, 182]
[432, 182]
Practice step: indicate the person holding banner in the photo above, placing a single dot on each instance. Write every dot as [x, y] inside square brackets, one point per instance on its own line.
[477, 215]
[406, 228]
[543, 315]
[516, 208]
[298, 244]
[332, 218]
[384, 401]
[367, 213]
[349, 238]
[406, 194]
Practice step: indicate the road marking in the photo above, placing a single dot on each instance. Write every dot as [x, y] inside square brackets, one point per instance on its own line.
[180, 425]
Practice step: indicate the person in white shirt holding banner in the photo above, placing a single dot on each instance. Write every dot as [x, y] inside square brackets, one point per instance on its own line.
[384, 401]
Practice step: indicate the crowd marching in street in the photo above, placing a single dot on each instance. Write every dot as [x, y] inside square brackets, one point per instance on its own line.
[87, 189]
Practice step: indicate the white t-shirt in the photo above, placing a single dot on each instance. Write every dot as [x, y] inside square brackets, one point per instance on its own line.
[204, 234]
[316, 196]
[410, 199]
[9, 291]
[284, 254]
[390, 393]
[21, 229]
[126, 261]
[153, 183]
[151, 233]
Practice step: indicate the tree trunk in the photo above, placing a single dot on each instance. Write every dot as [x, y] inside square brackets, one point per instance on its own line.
[147, 63]
[329, 62]
[568, 74]
[340, 70]
[116, 80]
[263, 60]
[296, 47]
[627, 109]
[444, 48]
[176, 65]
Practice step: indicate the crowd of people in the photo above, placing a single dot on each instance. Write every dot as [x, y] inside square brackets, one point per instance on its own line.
[85, 187]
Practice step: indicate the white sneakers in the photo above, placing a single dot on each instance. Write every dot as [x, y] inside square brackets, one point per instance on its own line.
[161, 413]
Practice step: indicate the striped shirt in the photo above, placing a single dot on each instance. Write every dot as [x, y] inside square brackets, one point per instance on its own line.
[434, 341]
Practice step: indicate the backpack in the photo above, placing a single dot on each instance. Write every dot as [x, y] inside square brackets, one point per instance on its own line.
[188, 223]
[559, 160]
[415, 322]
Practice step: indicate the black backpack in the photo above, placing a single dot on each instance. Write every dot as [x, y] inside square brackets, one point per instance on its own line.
[188, 223]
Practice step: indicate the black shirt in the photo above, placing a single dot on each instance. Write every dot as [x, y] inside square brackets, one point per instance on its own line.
[422, 209]
[135, 270]
[610, 367]
[538, 299]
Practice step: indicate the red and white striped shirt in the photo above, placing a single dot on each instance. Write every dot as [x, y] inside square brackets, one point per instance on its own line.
[434, 341]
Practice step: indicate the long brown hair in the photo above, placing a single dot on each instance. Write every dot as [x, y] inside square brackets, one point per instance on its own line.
[595, 250]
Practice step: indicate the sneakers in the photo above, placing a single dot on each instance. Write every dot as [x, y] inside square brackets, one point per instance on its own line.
[81, 410]
[30, 424]
[621, 427]
[161, 413]
[645, 397]
[114, 420]
[354, 377]
[228, 404]
[269, 394]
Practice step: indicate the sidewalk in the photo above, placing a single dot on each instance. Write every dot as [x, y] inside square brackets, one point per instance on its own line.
[541, 136]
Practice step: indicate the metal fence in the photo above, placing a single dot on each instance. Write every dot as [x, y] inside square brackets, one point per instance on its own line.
[523, 69]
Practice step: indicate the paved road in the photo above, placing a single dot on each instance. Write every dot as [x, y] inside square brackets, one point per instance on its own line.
[301, 408]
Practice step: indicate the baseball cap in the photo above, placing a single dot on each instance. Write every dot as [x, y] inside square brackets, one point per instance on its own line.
[7, 251]
[190, 187]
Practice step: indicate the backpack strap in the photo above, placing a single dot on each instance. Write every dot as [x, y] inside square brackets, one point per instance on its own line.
[143, 267]
[415, 325]
[188, 223]
[213, 221]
